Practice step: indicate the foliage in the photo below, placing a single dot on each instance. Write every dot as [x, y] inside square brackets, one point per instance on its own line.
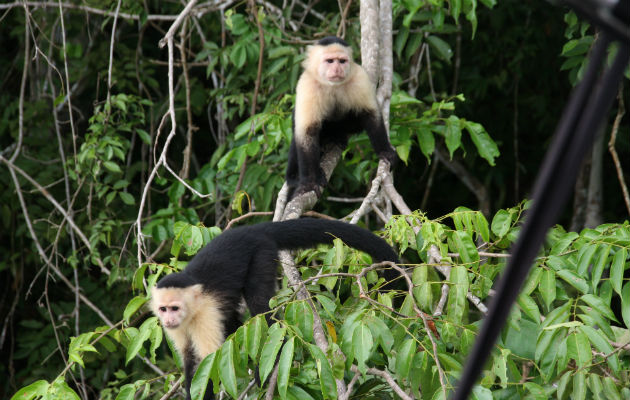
[87, 227]
[564, 304]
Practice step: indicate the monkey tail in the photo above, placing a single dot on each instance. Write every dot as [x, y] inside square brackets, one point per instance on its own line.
[307, 232]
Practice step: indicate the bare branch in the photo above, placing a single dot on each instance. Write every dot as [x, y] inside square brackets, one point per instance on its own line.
[247, 215]
[199, 10]
[60, 209]
[388, 378]
[273, 381]
[621, 110]
[178, 21]
[173, 389]
[383, 169]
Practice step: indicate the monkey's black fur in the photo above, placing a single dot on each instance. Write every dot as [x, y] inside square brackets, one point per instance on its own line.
[332, 39]
[242, 263]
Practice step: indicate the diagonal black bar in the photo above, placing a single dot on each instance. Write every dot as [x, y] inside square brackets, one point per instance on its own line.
[574, 136]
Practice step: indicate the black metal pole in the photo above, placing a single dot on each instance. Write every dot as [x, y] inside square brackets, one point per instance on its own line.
[575, 134]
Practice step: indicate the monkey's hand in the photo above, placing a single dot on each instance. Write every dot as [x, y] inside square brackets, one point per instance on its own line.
[309, 187]
[390, 156]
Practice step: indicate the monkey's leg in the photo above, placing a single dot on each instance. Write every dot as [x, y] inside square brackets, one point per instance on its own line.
[260, 285]
[311, 175]
[292, 165]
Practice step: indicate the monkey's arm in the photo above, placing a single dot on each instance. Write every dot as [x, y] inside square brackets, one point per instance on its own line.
[375, 128]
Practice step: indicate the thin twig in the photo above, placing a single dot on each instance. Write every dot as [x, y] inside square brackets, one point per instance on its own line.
[388, 378]
[621, 110]
[245, 216]
[382, 170]
[173, 389]
[167, 39]
[111, 50]
[48, 196]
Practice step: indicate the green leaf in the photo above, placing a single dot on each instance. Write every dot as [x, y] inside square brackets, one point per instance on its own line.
[466, 248]
[199, 382]
[127, 392]
[602, 344]
[403, 151]
[80, 345]
[35, 390]
[192, 239]
[422, 287]
[270, 350]
[599, 305]
[441, 48]
[452, 134]
[625, 304]
[579, 386]
[281, 51]
[426, 141]
[584, 258]
[127, 198]
[138, 340]
[362, 343]
[562, 385]
[306, 320]
[529, 307]
[284, 367]
[501, 223]
[156, 339]
[595, 384]
[499, 366]
[327, 380]
[238, 55]
[481, 226]
[533, 279]
[381, 333]
[574, 280]
[227, 371]
[486, 147]
[456, 305]
[404, 356]
[133, 306]
[579, 348]
[610, 389]
[254, 334]
[547, 287]
[617, 268]
[112, 166]
[144, 136]
[600, 262]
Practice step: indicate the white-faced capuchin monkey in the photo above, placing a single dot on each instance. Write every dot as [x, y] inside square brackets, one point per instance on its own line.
[199, 307]
[334, 99]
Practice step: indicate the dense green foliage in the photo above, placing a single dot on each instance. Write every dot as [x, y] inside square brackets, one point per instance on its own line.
[481, 83]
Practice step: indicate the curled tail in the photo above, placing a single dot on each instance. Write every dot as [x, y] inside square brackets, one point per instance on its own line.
[307, 232]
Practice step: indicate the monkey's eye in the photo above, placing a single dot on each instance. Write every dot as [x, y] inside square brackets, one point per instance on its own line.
[175, 308]
[163, 309]
[342, 61]
[330, 60]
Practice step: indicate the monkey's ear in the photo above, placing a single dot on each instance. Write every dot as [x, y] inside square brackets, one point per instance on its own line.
[196, 290]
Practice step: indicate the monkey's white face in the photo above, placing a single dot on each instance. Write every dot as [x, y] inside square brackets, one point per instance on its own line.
[171, 305]
[334, 65]
[172, 315]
